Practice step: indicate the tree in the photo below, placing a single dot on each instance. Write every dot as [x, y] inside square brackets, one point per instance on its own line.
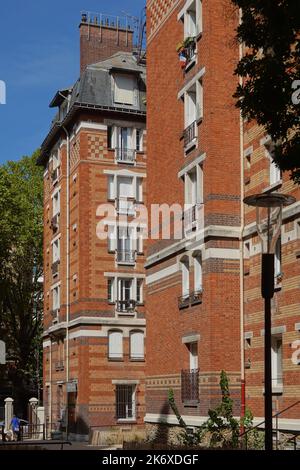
[21, 268]
[270, 69]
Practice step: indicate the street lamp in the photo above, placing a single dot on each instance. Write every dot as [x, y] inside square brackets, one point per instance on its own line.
[268, 220]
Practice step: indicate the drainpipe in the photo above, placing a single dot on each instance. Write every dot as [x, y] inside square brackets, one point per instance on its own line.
[243, 382]
[67, 270]
[50, 379]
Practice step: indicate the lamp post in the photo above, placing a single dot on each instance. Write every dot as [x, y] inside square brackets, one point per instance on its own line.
[268, 220]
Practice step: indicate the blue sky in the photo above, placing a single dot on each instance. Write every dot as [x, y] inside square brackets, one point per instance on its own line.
[39, 53]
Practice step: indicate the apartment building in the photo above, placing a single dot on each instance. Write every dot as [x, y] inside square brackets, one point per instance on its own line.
[95, 167]
[204, 306]
[193, 284]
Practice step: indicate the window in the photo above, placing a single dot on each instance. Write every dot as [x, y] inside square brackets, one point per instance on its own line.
[139, 240]
[193, 350]
[276, 356]
[193, 112]
[139, 189]
[198, 273]
[185, 269]
[111, 188]
[125, 297]
[190, 106]
[125, 90]
[274, 171]
[137, 345]
[125, 402]
[139, 291]
[125, 187]
[111, 238]
[125, 252]
[56, 250]
[193, 19]
[115, 345]
[277, 261]
[56, 160]
[193, 187]
[56, 203]
[56, 298]
[110, 137]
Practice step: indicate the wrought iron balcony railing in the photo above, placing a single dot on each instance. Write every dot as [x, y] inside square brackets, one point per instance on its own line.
[191, 299]
[184, 301]
[126, 257]
[190, 134]
[125, 206]
[59, 366]
[55, 222]
[190, 218]
[125, 155]
[126, 306]
[190, 386]
[55, 268]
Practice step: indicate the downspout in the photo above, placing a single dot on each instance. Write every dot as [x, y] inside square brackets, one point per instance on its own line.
[67, 270]
[50, 378]
[243, 382]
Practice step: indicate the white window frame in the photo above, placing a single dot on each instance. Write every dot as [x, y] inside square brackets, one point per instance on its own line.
[56, 203]
[56, 297]
[193, 355]
[185, 273]
[277, 361]
[198, 273]
[56, 249]
[133, 402]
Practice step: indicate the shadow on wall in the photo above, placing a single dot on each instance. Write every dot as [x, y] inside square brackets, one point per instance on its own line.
[161, 435]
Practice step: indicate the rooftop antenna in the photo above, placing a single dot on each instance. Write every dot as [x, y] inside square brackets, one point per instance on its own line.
[139, 25]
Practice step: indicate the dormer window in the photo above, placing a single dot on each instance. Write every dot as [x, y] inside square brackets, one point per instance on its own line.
[125, 90]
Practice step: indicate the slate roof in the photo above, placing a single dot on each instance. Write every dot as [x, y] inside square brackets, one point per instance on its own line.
[94, 91]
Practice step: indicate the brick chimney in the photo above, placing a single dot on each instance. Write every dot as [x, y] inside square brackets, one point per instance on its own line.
[102, 36]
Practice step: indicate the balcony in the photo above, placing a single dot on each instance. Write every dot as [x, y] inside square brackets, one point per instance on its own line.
[125, 206]
[187, 52]
[59, 366]
[190, 134]
[190, 218]
[55, 222]
[55, 268]
[190, 387]
[189, 300]
[125, 155]
[183, 301]
[126, 306]
[126, 257]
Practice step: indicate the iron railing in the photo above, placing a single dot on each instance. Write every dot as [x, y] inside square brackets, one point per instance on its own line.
[125, 403]
[244, 436]
[55, 268]
[190, 217]
[125, 206]
[190, 133]
[125, 155]
[126, 256]
[190, 386]
[190, 51]
[59, 366]
[190, 299]
[55, 222]
[126, 306]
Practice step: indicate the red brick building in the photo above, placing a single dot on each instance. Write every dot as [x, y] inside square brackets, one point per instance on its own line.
[204, 305]
[94, 315]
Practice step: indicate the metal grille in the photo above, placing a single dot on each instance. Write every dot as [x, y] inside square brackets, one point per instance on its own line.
[126, 305]
[190, 386]
[125, 155]
[190, 217]
[126, 256]
[125, 403]
[189, 134]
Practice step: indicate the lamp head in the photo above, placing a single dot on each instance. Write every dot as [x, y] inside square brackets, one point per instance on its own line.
[269, 216]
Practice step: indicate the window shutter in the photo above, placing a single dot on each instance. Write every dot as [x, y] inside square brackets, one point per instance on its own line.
[110, 290]
[111, 188]
[139, 189]
[115, 347]
[137, 345]
[125, 187]
[124, 89]
[111, 238]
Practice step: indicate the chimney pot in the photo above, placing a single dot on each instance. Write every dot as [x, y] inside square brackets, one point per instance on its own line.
[84, 17]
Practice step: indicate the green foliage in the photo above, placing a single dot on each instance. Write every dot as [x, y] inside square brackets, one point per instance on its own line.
[21, 267]
[221, 425]
[270, 31]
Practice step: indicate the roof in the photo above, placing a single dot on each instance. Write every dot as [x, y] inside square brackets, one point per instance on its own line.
[93, 91]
